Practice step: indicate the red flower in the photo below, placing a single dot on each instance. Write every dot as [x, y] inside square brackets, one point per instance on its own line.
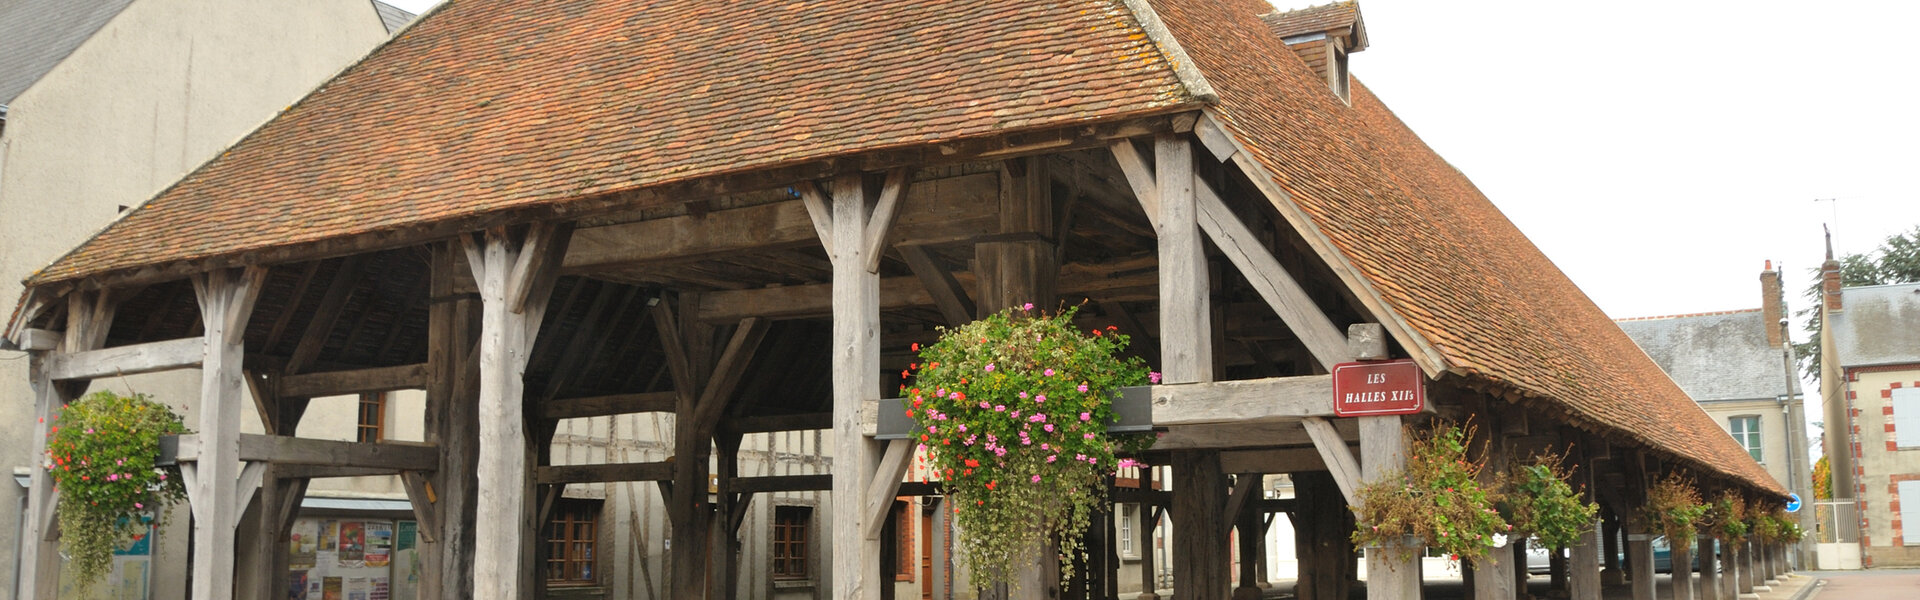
[990, 484]
[923, 437]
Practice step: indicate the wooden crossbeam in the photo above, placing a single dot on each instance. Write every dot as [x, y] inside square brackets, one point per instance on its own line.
[941, 285]
[1254, 261]
[885, 485]
[1244, 485]
[355, 381]
[127, 360]
[284, 450]
[728, 373]
[661, 471]
[799, 422]
[321, 326]
[1272, 399]
[808, 301]
[783, 483]
[600, 406]
[1339, 459]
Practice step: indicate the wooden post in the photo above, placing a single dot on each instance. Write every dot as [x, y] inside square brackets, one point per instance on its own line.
[1640, 563]
[1682, 561]
[1392, 572]
[1709, 568]
[226, 299]
[515, 274]
[451, 422]
[1583, 577]
[1496, 576]
[1322, 527]
[1199, 502]
[1143, 546]
[1749, 569]
[843, 223]
[1248, 523]
[39, 551]
[1612, 574]
[724, 560]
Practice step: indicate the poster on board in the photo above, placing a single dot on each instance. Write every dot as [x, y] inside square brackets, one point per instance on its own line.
[379, 540]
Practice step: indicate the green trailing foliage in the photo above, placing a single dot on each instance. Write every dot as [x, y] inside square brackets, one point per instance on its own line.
[1541, 503]
[1012, 414]
[1727, 518]
[1438, 499]
[100, 454]
[1674, 508]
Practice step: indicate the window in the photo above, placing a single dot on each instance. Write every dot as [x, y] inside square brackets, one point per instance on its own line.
[571, 535]
[1746, 430]
[1126, 531]
[792, 528]
[373, 418]
[1906, 418]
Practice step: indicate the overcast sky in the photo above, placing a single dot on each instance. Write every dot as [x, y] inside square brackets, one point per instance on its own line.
[1661, 152]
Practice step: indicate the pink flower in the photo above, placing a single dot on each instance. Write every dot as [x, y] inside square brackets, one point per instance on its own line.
[984, 404]
[1022, 395]
[1153, 376]
[1048, 427]
[963, 427]
[1040, 399]
[989, 367]
[1014, 414]
[1027, 306]
[1085, 416]
[139, 505]
[1025, 442]
[1083, 387]
[999, 408]
[89, 431]
[1087, 436]
[1052, 457]
[1043, 446]
[113, 476]
[1036, 478]
[932, 429]
[1128, 463]
[1080, 457]
[999, 451]
[1049, 372]
[920, 448]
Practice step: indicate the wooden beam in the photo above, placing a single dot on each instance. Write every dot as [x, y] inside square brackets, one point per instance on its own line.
[885, 212]
[286, 450]
[356, 381]
[648, 471]
[1244, 485]
[1340, 460]
[39, 340]
[1383, 448]
[719, 388]
[226, 298]
[601, 406]
[856, 377]
[945, 290]
[886, 481]
[320, 328]
[1274, 399]
[765, 424]
[1139, 176]
[1288, 300]
[809, 301]
[132, 359]
[1215, 138]
[783, 483]
[1274, 460]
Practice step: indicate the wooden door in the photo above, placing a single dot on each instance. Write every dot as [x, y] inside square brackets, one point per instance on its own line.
[926, 550]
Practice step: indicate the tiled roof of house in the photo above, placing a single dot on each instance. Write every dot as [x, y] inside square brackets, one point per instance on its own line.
[1440, 254]
[35, 35]
[392, 17]
[1877, 325]
[608, 96]
[515, 104]
[1313, 19]
[1717, 355]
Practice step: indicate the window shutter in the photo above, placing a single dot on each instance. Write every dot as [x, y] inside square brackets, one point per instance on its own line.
[1906, 417]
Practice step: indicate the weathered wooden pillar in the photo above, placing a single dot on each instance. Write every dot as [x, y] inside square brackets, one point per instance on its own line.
[1770, 556]
[515, 273]
[1149, 520]
[689, 346]
[1248, 525]
[724, 551]
[1682, 561]
[1556, 569]
[1640, 562]
[226, 299]
[1013, 272]
[1321, 528]
[1495, 577]
[1611, 574]
[854, 234]
[451, 422]
[1261, 577]
[1583, 576]
[1199, 525]
[39, 550]
[1517, 554]
[1392, 573]
[1709, 568]
[1749, 569]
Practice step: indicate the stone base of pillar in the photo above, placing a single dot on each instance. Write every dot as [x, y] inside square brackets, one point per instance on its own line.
[1265, 585]
[1761, 589]
[1772, 582]
[1613, 577]
[1147, 596]
[1246, 593]
[1748, 597]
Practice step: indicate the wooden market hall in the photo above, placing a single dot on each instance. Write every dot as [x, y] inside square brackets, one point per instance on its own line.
[745, 214]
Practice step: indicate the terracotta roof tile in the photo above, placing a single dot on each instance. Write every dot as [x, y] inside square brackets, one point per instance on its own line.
[1439, 253]
[1312, 19]
[512, 104]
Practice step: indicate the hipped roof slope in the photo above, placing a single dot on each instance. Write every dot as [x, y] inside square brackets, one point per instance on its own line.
[490, 106]
[1439, 253]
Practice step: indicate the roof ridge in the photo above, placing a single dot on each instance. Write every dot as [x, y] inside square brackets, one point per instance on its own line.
[1183, 68]
[1683, 315]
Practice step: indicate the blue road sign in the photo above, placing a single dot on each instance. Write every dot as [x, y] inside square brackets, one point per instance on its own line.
[1793, 502]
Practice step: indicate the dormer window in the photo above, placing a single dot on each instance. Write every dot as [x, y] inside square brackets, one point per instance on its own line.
[1322, 36]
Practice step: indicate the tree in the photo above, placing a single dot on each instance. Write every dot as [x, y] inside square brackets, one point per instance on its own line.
[1822, 480]
[1897, 260]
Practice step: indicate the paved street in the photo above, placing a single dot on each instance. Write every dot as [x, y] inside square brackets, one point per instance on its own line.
[1877, 584]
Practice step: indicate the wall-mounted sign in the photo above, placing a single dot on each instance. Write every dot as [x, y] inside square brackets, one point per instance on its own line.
[1376, 388]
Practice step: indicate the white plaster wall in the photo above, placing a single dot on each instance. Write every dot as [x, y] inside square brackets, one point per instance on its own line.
[1876, 462]
[161, 88]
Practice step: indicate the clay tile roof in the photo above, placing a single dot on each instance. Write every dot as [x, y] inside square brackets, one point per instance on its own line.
[1435, 250]
[1313, 19]
[485, 107]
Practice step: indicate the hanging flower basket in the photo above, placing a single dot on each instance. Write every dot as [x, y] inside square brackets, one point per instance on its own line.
[100, 454]
[1540, 503]
[1437, 499]
[1012, 413]
[1674, 509]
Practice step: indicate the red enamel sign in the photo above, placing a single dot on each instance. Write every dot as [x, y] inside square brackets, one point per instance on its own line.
[1375, 388]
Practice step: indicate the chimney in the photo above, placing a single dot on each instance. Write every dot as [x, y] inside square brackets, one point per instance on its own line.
[1772, 304]
[1830, 279]
[1323, 36]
